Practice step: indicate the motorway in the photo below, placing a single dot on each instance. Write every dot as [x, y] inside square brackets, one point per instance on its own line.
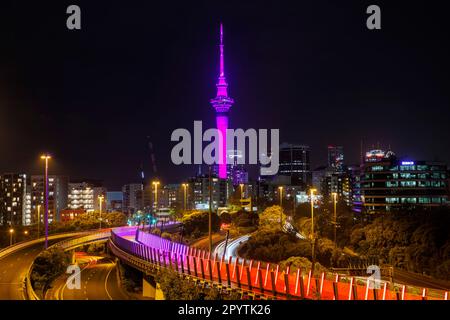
[232, 247]
[99, 281]
[14, 268]
[405, 277]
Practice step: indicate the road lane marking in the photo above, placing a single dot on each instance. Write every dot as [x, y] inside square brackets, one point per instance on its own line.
[106, 282]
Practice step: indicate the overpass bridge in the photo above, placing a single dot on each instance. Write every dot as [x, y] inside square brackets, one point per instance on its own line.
[150, 253]
[254, 279]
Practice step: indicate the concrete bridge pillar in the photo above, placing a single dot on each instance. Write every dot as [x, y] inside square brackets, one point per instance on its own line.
[151, 289]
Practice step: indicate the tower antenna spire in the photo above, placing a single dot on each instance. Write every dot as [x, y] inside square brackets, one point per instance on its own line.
[222, 63]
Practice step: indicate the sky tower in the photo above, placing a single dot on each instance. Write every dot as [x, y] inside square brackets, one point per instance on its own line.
[222, 103]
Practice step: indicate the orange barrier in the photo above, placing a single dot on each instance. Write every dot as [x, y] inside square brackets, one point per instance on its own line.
[269, 281]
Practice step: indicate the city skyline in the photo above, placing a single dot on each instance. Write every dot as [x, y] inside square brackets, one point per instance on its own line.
[221, 152]
[113, 96]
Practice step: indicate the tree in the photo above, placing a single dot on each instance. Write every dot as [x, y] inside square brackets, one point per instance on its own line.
[270, 218]
[47, 266]
[197, 223]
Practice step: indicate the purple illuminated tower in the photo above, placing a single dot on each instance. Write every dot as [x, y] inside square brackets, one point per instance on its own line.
[222, 103]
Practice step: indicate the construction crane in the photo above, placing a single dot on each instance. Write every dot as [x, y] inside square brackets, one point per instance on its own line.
[152, 156]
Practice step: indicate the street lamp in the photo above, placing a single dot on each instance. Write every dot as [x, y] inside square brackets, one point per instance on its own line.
[185, 186]
[280, 188]
[39, 220]
[313, 240]
[156, 183]
[46, 157]
[11, 231]
[334, 194]
[242, 190]
[25, 232]
[100, 200]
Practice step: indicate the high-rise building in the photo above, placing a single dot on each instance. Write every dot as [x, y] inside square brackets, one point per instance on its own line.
[354, 174]
[388, 183]
[336, 158]
[199, 192]
[84, 194]
[57, 196]
[14, 207]
[294, 163]
[132, 197]
[222, 104]
[339, 183]
[171, 196]
[236, 172]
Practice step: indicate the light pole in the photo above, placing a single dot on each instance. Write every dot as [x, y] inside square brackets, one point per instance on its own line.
[11, 231]
[155, 184]
[335, 217]
[313, 240]
[242, 190]
[100, 200]
[46, 157]
[39, 220]
[185, 185]
[280, 189]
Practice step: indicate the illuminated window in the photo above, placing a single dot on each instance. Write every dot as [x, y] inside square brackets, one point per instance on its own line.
[435, 184]
[391, 184]
[423, 183]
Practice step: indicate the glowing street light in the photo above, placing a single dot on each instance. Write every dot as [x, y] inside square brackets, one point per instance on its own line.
[334, 194]
[280, 189]
[185, 186]
[100, 200]
[312, 230]
[11, 231]
[242, 190]
[155, 184]
[46, 158]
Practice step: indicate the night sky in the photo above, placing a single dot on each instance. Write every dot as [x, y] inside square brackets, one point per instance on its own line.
[145, 68]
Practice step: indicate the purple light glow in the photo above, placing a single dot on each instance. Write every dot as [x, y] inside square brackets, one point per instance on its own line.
[222, 125]
[222, 103]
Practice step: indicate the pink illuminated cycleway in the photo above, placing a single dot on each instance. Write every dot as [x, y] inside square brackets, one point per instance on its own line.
[255, 276]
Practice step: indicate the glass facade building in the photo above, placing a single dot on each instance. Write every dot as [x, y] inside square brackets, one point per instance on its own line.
[390, 183]
[295, 163]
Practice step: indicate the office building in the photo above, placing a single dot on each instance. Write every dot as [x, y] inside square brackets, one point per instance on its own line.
[199, 192]
[132, 197]
[57, 196]
[295, 163]
[388, 183]
[336, 158]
